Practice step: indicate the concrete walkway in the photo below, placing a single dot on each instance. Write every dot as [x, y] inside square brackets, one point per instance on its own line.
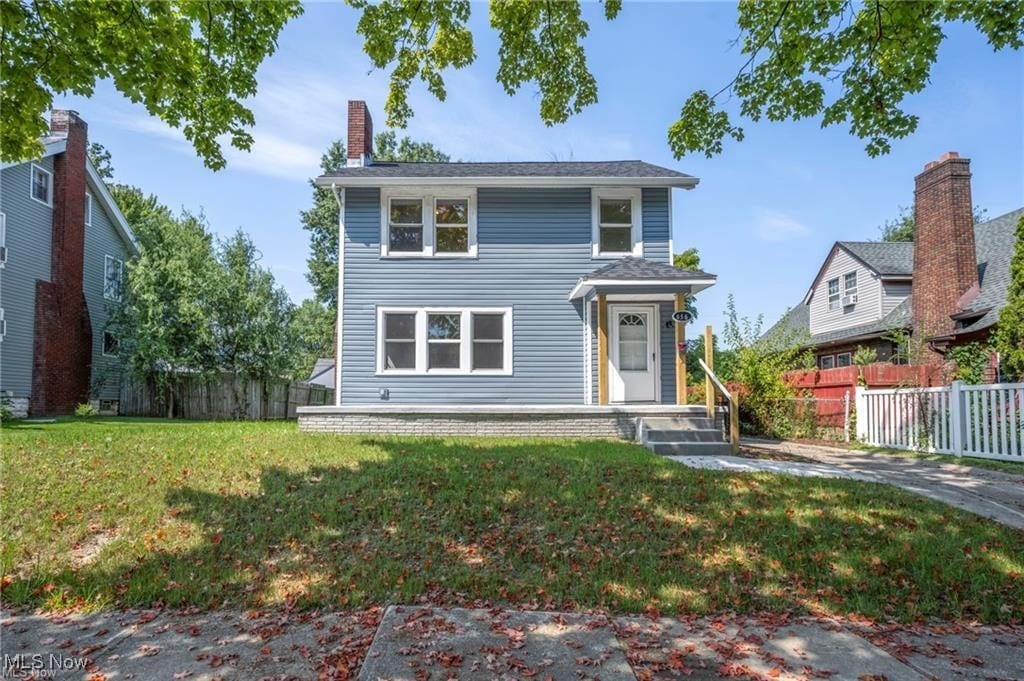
[992, 494]
[416, 643]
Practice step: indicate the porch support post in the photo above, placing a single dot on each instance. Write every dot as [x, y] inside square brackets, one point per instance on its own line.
[709, 359]
[602, 349]
[680, 353]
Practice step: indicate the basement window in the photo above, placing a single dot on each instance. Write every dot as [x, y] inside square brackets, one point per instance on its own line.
[827, 361]
[844, 359]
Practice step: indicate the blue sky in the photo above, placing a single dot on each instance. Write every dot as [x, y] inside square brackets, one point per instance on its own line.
[766, 210]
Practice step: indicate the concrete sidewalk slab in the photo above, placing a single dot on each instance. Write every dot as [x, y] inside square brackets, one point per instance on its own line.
[991, 494]
[977, 654]
[419, 642]
[740, 464]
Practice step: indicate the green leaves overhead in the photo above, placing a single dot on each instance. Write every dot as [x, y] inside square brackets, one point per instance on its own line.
[541, 42]
[421, 38]
[841, 61]
[190, 63]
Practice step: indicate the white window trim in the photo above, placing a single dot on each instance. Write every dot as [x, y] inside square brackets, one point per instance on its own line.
[3, 239]
[120, 264]
[465, 341]
[88, 209]
[856, 283]
[839, 294]
[637, 234]
[32, 185]
[428, 197]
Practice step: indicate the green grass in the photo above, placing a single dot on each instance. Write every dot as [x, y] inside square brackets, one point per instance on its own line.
[990, 464]
[257, 514]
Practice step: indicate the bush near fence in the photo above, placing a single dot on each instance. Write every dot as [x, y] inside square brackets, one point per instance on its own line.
[222, 397]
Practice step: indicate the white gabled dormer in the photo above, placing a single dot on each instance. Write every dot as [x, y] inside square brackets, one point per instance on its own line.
[859, 283]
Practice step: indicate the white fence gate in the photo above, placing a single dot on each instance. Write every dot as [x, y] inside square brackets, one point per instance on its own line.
[965, 420]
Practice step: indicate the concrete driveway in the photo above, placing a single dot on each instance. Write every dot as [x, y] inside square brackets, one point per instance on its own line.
[992, 494]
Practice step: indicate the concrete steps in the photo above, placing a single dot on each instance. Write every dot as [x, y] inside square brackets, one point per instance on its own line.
[694, 435]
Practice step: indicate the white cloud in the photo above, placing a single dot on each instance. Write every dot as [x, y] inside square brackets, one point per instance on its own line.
[775, 226]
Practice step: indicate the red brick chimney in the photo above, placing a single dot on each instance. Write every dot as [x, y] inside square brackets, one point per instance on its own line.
[360, 134]
[62, 351]
[945, 263]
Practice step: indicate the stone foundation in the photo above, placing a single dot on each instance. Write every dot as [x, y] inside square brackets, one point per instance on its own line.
[526, 421]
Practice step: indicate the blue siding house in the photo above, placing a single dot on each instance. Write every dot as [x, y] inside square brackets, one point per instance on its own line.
[63, 245]
[468, 289]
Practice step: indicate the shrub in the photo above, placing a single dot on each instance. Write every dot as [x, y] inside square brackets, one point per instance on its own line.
[5, 410]
[85, 410]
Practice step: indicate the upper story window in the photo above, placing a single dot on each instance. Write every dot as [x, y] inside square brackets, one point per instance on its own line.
[428, 223]
[850, 288]
[444, 341]
[88, 209]
[833, 294]
[3, 239]
[617, 230]
[3, 325]
[41, 185]
[113, 278]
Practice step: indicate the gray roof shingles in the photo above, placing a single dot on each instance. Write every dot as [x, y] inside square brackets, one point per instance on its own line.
[994, 242]
[634, 269]
[585, 169]
[888, 258]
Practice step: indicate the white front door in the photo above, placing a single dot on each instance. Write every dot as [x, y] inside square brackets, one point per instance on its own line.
[633, 355]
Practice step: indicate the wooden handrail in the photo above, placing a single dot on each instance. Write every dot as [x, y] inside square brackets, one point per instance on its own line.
[734, 406]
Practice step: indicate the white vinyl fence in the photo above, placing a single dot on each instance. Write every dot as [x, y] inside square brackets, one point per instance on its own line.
[965, 420]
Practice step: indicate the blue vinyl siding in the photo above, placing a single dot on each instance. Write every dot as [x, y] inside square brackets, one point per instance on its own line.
[29, 231]
[657, 230]
[534, 244]
[666, 346]
[101, 239]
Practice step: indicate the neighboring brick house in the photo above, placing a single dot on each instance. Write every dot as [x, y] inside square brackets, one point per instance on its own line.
[63, 245]
[946, 288]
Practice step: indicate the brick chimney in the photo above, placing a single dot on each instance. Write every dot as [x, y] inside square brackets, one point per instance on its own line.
[945, 263]
[360, 134]
[62, 347]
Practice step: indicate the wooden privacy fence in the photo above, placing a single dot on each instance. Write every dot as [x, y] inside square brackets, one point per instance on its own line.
[965, 420]
[222, 397]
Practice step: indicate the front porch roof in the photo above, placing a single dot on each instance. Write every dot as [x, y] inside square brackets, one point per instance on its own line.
[637, 275]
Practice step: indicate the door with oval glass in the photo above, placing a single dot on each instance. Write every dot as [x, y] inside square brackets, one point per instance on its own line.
[633, 356]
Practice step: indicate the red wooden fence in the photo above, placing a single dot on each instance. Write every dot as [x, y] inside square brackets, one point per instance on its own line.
[828, 387]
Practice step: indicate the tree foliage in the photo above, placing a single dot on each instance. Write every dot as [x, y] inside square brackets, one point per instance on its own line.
[312, 336]
[190, 63]
[902, 227]
[688, 260]
[1009, 339]
[758, 364]
[838, 61]
[252, 314]
[321, 220]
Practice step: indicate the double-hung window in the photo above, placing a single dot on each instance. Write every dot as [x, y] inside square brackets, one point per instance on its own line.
[439, 223]
[405, 226]
[833, 294]
[850, 284]
[110, 344]
[113, 278]
[41, 187]
[88, 209]
[617, 225]
[444, 341]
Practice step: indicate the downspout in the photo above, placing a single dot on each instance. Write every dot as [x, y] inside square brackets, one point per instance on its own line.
[339, 196]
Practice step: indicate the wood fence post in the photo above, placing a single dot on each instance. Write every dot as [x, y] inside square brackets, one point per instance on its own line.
[860, 402]
[709, 359]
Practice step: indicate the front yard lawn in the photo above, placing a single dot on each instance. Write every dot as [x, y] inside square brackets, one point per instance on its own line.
[120, 513]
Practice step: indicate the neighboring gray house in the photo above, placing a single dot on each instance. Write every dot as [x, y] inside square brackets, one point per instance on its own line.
[63, 245]
[323, 373]
[953, 279]
[485, 284]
